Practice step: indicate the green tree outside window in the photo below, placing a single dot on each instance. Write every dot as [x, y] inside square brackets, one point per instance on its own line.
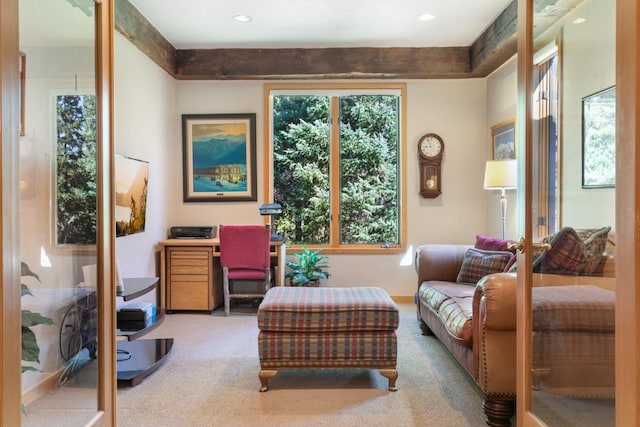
[367, 210]
[76, 170]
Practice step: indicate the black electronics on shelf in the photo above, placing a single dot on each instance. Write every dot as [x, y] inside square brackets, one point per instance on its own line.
[193, 232]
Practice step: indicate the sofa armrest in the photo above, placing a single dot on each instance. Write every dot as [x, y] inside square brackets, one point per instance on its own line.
[439, 262]
[494, 333]
[494, 301]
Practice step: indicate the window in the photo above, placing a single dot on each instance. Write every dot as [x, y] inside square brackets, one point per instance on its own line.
[75, 170]
[546, 151]
[336, 157]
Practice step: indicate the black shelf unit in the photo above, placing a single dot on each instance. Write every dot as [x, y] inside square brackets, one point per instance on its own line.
[137, 359]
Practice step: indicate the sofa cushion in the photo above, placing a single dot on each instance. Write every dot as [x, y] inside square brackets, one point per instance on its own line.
[493, 244]
[478, 263]
[453, 304]
[572, 252]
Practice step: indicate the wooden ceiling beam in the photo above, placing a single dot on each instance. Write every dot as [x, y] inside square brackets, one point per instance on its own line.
[134, 26]
[496, 44]
[360, 63]
[487, 53]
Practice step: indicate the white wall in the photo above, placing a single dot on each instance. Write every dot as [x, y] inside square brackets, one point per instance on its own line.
[148, 108]
[50, 72]
[502, 90]
[589, 51]
[146, 128]
[454, 109]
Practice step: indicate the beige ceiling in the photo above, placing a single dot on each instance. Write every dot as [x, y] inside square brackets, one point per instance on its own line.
[189, 24]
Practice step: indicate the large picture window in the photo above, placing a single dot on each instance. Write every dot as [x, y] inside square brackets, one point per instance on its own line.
[336, 165]
[75, 170]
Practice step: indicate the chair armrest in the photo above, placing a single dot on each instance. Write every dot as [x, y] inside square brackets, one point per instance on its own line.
[439, 262]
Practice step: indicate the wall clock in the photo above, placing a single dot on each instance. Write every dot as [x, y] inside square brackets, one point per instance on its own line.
[430, 152]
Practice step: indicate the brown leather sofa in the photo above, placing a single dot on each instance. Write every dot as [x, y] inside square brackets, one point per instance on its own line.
[478, 324]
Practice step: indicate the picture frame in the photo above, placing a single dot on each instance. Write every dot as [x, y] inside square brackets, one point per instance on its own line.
[503, 140]
[131, 181]
[219, 157]
[599, 139]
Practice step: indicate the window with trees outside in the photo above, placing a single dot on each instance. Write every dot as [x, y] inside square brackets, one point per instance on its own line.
[75, 170]
[335, 157]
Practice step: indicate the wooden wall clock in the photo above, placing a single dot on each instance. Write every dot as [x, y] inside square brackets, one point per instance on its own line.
[430, 151]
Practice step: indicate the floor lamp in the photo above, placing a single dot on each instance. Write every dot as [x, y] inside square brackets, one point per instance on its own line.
[501, 175]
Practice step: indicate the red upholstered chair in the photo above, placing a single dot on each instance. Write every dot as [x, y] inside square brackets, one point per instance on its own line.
[244, 255]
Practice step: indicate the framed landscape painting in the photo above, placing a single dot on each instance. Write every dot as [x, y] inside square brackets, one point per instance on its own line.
[219, 157]
[131, 180]
[503, 140]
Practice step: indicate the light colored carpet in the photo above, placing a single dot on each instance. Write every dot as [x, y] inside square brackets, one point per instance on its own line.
[211, 379]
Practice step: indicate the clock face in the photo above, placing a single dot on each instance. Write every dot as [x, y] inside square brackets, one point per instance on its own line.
[430, 146]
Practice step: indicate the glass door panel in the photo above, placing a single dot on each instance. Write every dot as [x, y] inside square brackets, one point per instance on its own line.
[571, 210]
[58, 210]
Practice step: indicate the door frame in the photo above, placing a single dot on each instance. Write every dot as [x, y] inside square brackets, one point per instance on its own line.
[10, 308]
[10, 352]
[627, 209]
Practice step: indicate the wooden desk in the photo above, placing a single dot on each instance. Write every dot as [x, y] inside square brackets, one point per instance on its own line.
[191, 277]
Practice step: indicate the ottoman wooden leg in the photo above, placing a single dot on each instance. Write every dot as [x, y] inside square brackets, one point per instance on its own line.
[392, 375]
[264, 376]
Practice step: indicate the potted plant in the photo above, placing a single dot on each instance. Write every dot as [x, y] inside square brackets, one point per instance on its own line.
[30, 348]
[309, 268]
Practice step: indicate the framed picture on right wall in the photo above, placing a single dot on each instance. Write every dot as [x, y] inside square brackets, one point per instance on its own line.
[503, 140]
[599, 139]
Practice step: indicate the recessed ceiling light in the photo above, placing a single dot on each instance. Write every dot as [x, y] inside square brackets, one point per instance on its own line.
[579, 20]
[426, 17]
[242, 18]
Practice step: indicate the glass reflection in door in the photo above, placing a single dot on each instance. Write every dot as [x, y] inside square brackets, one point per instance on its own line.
[573, 283]
[58, 211]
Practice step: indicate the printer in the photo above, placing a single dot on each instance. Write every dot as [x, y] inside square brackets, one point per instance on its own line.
[193, 232]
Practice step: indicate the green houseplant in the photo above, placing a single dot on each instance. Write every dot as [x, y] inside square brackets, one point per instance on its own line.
[30, 348]
[309, 268]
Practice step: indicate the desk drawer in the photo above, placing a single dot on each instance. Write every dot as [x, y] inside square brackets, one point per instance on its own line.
[189, 296]
[189, 273]
[185, 279]
[195, 257]
[189, 269]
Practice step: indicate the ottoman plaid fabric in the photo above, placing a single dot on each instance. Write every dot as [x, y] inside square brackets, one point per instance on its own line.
[327, 328]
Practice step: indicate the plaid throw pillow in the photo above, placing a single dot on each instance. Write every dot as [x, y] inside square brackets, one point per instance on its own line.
[572, 253]
[478, 263]
[495, 244]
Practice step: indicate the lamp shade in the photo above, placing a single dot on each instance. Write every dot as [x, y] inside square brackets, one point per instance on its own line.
[501, 174]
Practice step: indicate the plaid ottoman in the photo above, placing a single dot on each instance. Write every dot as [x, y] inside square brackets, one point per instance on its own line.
[310, 328]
